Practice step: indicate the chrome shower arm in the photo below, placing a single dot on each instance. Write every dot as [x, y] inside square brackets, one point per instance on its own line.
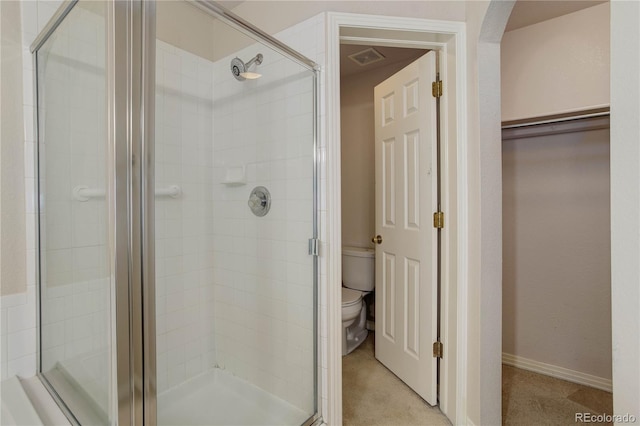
[257, 59]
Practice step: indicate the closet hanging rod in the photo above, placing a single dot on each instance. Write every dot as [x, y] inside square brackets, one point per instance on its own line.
[557, 118]
[557, 128]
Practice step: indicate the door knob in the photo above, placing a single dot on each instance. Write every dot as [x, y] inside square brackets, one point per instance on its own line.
[377, 239]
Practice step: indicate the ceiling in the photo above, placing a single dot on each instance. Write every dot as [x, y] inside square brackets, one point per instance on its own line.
[529, 12]
[525, 12]
[391, 54]
[229, 4]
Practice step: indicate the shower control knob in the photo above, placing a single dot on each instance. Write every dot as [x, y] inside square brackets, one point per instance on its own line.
[377, 239]
[256, 202]
[259, 201]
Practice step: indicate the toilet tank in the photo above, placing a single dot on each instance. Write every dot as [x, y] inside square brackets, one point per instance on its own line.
[358, 268]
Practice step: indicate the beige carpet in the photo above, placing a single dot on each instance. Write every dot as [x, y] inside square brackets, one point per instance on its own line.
[533, 399]
[373, 395]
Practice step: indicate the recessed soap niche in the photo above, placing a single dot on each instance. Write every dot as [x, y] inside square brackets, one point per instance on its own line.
[235, 175]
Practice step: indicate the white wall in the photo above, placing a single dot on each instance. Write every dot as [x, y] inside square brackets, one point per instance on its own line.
[13, 207]
[261, 13]
[556, 258]
[625, 205]
[556, 66]
[358, 153]
[485, 25]
[171, 17]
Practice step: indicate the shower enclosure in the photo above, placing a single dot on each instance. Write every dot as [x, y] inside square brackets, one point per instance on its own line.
[177, 217]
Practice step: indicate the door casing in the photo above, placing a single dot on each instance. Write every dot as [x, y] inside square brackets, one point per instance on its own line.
[450, 38]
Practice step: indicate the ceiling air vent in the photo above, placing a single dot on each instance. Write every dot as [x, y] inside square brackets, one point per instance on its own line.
[366, 57]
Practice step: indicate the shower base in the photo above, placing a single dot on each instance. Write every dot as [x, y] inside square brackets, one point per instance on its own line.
[220, 398]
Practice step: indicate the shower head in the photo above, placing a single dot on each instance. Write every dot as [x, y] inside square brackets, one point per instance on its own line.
[240, 70]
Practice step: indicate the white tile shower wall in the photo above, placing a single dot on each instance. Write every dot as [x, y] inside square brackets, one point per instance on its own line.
[184, 226]
[263, 273]
[18, 334]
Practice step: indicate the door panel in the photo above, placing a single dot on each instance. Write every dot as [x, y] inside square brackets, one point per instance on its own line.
[412, 181]
[412, 308]
[388, 185]
[405, 139]
[388, 298]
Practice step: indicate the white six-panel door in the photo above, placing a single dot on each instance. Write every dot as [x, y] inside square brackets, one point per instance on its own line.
[405, 144]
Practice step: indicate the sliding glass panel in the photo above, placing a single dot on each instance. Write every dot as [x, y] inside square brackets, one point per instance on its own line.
[75, 298]
[234, 212]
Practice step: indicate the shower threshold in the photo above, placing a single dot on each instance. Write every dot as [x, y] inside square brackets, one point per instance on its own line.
[220, 398]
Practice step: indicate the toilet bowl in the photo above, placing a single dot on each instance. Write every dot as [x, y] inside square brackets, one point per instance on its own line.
[358, 271]
[351, 305]
[354, 318]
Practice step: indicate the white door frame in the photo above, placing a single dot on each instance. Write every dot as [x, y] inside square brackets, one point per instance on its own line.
[450, 37]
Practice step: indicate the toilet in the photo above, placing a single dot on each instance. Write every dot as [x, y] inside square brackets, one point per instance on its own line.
[358, 280]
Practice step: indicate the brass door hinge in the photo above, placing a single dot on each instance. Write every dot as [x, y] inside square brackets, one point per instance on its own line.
[437, 349]
[436, 88]
[438, 220]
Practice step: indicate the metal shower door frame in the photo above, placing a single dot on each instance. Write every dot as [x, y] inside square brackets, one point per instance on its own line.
[131, 106]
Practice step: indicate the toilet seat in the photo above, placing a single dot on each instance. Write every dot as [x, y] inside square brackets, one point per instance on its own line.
[350, 297]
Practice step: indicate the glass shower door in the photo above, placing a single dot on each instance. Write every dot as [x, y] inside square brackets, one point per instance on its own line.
[75, 297]
[94, 280]
[235, 288]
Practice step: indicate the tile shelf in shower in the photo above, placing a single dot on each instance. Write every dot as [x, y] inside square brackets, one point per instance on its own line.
[84, 193]
[235, 176]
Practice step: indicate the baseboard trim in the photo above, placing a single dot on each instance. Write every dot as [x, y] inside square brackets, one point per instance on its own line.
[558, 372]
